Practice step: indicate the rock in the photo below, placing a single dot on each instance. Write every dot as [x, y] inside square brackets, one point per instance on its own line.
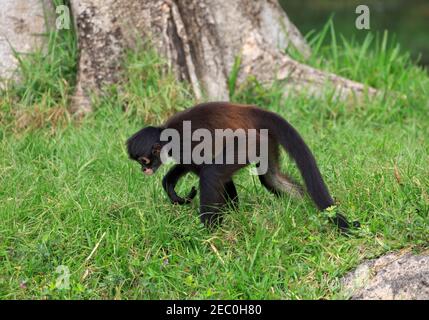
[394, 276]
[21, 24]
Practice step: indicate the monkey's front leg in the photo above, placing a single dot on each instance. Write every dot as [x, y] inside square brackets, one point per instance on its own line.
[169, 183]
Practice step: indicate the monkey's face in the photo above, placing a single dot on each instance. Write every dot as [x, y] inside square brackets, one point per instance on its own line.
[150, 162]
[145, 148]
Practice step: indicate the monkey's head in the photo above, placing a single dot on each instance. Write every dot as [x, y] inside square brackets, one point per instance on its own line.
[145, 148]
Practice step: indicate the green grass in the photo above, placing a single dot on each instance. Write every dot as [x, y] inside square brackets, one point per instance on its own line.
[70, 197]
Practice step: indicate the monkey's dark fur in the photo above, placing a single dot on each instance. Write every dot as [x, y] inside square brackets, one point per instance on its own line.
[216, 185]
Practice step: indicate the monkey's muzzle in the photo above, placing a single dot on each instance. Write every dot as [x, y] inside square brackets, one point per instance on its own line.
[148, 171]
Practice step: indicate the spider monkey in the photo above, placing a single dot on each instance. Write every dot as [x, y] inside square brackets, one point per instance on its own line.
[216, 185]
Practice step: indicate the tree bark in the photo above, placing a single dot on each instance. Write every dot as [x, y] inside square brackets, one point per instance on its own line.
[200, 40]
[22, 23]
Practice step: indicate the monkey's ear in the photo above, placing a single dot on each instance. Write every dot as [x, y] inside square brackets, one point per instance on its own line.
[156, 149]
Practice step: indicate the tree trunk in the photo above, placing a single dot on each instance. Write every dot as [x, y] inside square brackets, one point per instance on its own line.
[200, 39]
[22, 23]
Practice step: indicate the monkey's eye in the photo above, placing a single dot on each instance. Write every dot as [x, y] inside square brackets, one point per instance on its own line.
[144, 160]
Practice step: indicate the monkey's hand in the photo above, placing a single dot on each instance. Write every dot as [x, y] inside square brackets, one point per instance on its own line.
[191, 195]
[174, 198]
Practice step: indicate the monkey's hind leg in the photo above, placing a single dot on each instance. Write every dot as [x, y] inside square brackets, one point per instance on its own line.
[277, 182]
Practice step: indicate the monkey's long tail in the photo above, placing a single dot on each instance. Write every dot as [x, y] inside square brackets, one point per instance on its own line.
[298, 150]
